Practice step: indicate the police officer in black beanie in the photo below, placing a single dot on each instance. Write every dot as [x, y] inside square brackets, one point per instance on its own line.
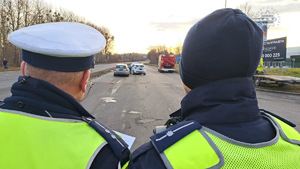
[219, 123]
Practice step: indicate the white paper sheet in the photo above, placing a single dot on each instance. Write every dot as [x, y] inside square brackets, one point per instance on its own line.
[128, 139]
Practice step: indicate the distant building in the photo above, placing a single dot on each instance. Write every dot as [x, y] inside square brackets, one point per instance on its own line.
[295, 61]
[293, 57]
[292, 51]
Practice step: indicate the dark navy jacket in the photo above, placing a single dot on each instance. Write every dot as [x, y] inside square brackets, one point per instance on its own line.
[35, 96]
[227, 106]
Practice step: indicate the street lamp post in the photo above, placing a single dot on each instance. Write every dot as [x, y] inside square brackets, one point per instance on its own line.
[293, 62]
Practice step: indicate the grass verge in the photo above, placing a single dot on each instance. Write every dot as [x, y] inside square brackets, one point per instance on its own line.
[97, 74]
[293, 88]
[283, 71]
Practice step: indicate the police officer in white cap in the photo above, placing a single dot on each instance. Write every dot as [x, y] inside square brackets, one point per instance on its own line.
[42, 123]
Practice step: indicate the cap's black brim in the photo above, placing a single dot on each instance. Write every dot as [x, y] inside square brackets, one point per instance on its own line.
[61, 64]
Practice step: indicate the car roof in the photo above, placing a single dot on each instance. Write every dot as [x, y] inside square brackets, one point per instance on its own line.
[134, 63]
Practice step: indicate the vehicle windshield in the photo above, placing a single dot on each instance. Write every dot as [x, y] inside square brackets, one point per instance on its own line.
[121, 66]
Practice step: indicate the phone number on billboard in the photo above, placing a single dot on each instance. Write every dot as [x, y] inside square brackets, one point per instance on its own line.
[270, 55]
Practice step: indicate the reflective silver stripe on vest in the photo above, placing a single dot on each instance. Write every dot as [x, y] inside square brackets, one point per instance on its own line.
[277, 127]
[41, 117]
[95, 154]
[213, 145]
[165, 160]
[244, 144]
[280, 130]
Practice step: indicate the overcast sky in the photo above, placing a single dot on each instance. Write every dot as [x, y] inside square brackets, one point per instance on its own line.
[138, 24]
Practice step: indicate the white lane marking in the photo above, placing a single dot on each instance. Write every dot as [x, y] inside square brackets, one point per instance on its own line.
[108, 99]
[116, 87]
[134, 112]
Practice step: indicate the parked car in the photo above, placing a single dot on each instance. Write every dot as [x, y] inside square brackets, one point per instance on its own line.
[121, 69]
[138, 69]
[132, 64]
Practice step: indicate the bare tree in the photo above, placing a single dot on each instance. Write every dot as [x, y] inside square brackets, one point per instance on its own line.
[247, 9]
[7, 24]
[27, 10]
[15, 14]
[69, 16]
[11, 14]
[152, 55]
[155, 51]
[19, 7]
[178, 49]
[2, 29]
[109, 41]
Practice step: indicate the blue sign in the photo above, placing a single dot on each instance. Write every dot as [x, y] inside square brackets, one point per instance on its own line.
[177, 58]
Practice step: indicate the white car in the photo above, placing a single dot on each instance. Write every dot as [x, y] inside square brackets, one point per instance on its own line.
[138, 69]
[134, 63]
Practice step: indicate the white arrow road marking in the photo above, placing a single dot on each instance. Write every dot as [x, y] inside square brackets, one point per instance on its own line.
[108, 99]
[116, 87]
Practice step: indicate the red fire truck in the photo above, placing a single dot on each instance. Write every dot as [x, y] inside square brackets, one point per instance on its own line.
[166, 63]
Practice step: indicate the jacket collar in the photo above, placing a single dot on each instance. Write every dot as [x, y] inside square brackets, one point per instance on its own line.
[221, 102]
[40, 97]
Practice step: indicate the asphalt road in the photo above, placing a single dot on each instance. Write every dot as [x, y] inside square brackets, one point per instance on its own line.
[134, 105]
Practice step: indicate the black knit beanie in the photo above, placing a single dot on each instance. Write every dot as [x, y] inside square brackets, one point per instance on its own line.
[225, 44]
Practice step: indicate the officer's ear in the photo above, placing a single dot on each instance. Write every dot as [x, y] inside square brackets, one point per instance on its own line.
[186, 89]
[84, 80]
[23, 64]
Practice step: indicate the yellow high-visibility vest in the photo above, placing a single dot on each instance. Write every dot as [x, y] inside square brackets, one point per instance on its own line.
[205, 148]
[260, 67]
[35, 142]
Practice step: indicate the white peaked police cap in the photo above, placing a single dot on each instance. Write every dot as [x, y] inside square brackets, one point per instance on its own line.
[59, 46]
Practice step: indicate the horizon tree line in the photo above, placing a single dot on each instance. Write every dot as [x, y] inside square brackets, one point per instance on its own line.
[16, 14]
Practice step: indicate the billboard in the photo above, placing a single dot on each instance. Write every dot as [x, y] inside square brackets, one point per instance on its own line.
[275, 50]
